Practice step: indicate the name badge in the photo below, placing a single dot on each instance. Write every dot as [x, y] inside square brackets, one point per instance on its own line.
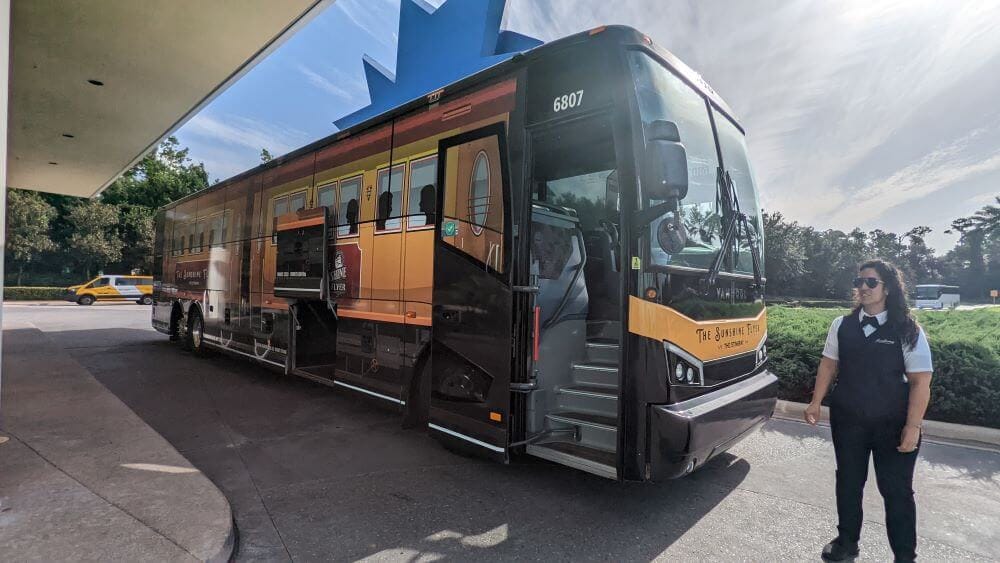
[884, 341]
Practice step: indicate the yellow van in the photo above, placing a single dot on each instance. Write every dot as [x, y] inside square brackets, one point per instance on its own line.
[113, 288]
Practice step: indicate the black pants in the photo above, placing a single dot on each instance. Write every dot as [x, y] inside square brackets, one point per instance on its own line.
[854, 442]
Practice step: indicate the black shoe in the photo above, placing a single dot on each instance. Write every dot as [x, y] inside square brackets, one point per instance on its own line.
[840, 550]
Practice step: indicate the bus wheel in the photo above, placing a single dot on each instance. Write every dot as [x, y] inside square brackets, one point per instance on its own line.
[195, 334]
[146, 300]
[86, 300]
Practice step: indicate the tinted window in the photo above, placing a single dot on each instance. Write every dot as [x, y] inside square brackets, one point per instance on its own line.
[297, 202]
[326, 196]
[349, 209]
[423, 192]
[389, 206]
[479, 192]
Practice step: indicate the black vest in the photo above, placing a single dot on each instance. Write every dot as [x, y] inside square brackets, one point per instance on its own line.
[870, 382]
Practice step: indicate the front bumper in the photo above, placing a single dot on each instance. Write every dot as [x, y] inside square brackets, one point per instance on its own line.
[685, 435]
[70, 295]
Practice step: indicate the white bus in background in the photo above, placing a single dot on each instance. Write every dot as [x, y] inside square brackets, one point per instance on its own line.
[937, 296]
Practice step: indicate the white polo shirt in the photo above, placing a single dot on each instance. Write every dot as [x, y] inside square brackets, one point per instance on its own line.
[916, 358]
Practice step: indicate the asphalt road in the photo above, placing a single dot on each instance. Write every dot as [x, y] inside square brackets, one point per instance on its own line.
[316, 473]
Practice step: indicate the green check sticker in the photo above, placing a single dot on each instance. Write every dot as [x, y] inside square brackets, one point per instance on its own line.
[450, 228]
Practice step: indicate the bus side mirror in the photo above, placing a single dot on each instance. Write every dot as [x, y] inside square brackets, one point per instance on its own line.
[666, 176]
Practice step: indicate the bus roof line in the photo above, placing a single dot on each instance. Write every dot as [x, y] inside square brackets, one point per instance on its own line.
[620, 32]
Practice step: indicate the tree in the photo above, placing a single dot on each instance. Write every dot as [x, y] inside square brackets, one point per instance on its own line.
[784, 254]
[136, 231]
[95, 240]
[28, 221]
[970, 252]
[164, 175]
[266, 156]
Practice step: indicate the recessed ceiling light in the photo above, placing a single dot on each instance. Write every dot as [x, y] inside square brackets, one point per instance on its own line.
[53, 163]
[96, 82]
[68, 135]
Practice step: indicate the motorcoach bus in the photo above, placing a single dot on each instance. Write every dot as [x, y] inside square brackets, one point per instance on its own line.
[559, 256]
[937, 296]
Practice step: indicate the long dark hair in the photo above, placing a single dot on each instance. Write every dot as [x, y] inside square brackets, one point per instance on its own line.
[895, 301]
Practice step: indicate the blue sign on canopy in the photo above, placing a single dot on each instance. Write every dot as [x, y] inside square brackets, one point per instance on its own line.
[438, 47]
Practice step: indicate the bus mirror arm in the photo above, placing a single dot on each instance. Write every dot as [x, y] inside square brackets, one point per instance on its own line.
[646, 216]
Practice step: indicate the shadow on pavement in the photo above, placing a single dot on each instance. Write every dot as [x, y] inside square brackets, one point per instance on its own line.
[312, 471]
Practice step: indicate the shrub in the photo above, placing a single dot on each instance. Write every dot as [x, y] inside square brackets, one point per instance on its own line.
[33, 293]
[965, 345]
[966, 384]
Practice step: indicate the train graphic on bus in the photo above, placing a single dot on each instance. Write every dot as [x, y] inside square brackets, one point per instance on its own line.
[558, 256]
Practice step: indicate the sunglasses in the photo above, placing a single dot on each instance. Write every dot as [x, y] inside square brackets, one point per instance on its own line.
[872, 283]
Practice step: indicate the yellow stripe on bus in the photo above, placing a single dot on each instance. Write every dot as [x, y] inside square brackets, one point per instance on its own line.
[705, 340]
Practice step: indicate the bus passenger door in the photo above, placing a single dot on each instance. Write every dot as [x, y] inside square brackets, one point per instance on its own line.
[471, 342]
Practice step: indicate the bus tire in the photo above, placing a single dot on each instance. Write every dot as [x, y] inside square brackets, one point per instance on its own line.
[85, 300]
[194, 336]
[146, 300]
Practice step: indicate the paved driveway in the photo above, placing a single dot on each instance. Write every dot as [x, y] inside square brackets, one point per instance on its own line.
[315, 473]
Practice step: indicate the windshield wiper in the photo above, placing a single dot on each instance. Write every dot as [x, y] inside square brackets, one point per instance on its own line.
[735, 222]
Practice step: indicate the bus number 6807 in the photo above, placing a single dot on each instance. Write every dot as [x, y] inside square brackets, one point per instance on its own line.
[567, 101]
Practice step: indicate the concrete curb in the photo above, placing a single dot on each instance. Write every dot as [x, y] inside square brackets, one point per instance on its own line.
[92, 480]
[988, 437]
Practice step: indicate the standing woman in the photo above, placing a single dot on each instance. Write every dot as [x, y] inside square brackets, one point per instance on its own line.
[881, 362]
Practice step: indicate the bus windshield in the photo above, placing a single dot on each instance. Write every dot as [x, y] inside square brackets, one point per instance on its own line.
[928, 292]
[662, 95]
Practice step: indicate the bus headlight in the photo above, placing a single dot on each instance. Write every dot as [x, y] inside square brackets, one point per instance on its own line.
[685, 369]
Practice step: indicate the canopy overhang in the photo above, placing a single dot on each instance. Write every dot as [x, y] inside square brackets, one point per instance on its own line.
[95, 85]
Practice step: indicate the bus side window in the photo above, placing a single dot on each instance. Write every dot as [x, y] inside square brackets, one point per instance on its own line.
[349, 207]
[326, 196]
[390, 199]
[422, 197]
[279, 206]
[296, 202]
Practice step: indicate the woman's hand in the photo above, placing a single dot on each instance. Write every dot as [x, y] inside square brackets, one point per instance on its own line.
[812, 413]
[909, 439]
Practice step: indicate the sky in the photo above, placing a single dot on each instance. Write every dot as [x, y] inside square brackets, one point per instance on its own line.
[859, 113]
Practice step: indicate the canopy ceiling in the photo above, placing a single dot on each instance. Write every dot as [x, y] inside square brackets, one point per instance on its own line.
[94, 85]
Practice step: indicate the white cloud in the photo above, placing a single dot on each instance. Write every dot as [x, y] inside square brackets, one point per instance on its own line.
[938, 170]
[324, 83]
[374, 17]
[246, 132]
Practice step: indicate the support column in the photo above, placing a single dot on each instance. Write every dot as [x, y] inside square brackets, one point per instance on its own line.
[4, 92]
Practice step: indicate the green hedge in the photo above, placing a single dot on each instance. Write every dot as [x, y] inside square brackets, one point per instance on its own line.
[33, 293]
[965, 345]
